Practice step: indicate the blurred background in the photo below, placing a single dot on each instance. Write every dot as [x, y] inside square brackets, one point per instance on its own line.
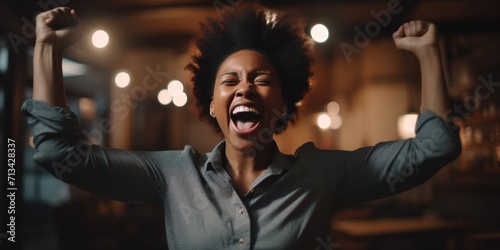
[125, 80]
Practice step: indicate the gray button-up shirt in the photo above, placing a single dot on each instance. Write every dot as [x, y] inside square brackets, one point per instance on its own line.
[288, 206]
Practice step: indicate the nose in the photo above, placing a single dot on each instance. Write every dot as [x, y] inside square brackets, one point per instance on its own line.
[245, 89]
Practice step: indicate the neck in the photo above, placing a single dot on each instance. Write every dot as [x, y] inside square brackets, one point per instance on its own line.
[248, 161]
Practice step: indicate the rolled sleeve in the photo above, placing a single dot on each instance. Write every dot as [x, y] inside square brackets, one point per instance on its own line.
[63, 150]
[56, 131]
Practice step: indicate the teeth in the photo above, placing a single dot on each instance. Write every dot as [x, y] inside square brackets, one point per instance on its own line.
[242, 108]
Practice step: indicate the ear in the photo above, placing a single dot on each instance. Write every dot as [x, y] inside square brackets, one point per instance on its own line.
[212, 109]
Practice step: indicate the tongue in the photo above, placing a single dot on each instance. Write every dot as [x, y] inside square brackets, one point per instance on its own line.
[245, 125]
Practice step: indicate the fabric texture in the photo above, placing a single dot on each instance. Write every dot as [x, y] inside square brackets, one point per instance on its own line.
[289, 205]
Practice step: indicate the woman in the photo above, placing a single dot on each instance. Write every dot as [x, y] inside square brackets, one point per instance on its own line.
[248, 72]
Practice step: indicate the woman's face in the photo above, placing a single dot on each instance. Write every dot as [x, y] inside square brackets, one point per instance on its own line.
[247, 99]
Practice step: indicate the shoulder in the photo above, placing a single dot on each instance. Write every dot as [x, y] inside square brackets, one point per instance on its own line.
[173, 158]
[310, 154]
[310, 149]
[193, 154]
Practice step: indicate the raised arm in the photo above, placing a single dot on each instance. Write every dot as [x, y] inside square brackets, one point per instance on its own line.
[421, 39]
[56, 30]
[392, 167]
[60, 146]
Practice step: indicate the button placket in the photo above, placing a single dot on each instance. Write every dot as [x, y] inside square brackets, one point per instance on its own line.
[241, 222]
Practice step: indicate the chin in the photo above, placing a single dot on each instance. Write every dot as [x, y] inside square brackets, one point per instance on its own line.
[242, 143]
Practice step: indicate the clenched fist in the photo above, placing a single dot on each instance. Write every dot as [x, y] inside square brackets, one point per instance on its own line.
[415, 36]
[59, 27]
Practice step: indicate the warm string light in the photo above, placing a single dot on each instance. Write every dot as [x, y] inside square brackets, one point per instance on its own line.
[331, 118]
[173, 93]
[319, 33]
[324, 121]
[122, 79]
[100, 39]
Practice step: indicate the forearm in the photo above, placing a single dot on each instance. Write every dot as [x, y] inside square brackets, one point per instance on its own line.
[434, 92]
[48, 85]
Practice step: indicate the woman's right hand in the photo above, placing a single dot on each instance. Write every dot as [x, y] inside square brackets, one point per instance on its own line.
[60, 27]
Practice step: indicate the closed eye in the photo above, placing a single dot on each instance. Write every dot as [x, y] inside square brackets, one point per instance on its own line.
[262, 82]
[230, 82]
[263, 78]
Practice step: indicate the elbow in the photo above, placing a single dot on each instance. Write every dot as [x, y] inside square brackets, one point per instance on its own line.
[439, 149]
[449, 149]
[60, 161]
[57, 164]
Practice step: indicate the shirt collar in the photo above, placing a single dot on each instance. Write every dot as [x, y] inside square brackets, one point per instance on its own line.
[279, 161]
[214, 160]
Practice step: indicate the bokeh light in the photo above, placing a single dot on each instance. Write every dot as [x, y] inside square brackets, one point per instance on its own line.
[180, 99]
[100, 39]
[175, 87]
[324, 121]
[319, 33]
[164, 97]
[333, 108]
[336, 122]
[406, 125]
[122, 79]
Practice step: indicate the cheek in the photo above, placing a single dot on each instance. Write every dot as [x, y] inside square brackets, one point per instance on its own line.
[221, 100]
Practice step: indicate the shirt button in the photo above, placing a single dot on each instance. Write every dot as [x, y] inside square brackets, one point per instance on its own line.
[241, 241]
[241, 210]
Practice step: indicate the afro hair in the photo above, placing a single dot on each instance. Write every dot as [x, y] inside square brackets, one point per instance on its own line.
[279, 36]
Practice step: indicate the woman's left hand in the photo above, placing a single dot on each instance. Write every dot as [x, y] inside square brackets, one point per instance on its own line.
[416, 36]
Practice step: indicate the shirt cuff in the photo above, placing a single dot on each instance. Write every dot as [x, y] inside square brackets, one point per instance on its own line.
[45, 119]
[429, 116]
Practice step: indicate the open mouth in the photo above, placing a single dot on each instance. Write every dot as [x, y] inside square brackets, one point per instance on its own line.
[245, 118]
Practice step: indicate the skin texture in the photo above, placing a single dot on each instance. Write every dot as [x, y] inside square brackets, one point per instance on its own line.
[59, 28]
[56, 30]
[246, 77]
[421, 39]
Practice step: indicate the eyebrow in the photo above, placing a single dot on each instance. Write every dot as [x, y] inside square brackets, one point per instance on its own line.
[229, 73]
